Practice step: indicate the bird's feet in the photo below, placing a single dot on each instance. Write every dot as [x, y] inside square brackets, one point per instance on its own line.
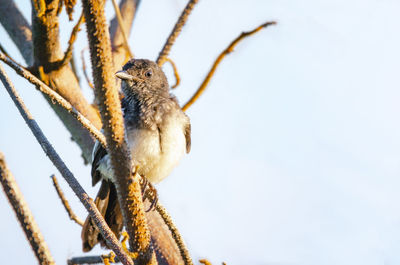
[149, 192]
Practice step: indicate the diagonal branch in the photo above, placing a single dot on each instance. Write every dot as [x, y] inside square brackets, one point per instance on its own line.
[65, 172]
[175, 32]
[225, 52]
[24, 215]
[56, 98]
[18, 28]
[128, 187]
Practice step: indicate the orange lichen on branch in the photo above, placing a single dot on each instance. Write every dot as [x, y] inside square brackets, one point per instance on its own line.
[124, 240]
[225, 52]
[108, 258]
[64, 202]
[107, 97]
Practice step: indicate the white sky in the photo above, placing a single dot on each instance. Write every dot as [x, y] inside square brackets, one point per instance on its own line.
[295, 145]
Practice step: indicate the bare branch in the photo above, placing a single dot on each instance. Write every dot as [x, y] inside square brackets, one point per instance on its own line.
[18, 28]
[65, 172]
[175, 32]
[56, 98]
[175, 234]
[24, 215]
[128, 9]
[122, 28]
[65, 203]
[128, 187]
[225, 52]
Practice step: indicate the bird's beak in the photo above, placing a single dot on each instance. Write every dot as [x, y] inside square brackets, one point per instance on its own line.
[124, 75]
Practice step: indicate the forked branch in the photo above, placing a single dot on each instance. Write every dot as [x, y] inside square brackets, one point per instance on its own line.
[24, 215]
[225, 52]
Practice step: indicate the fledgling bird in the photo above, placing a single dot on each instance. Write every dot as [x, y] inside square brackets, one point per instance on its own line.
[158, 134]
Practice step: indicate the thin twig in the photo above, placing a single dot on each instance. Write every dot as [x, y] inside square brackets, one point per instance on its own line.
[176, 74]
[175, 234]
[73, 67]
[24, 215]
[88, 260]
[65, 203]
[55, 98]
[85, 74]
[175, 32]
[65, 172]
[123, 31]
[128, 187]
[228, 50]
[72, 38]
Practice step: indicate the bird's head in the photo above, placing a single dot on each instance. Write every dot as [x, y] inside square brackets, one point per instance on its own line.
[143, 76]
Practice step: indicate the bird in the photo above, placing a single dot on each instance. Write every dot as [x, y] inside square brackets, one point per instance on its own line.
[158, 134]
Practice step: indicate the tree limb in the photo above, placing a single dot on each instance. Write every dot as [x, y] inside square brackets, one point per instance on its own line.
[128, 187]
[24, 215]
[17, 28]
[48, 57]
[65, 172]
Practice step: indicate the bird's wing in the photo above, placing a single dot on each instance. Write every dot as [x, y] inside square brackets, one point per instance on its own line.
[98, 153]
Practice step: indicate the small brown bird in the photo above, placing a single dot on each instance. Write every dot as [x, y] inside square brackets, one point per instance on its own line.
[158, 134]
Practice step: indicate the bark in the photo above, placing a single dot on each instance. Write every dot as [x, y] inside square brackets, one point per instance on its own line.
[128, 187]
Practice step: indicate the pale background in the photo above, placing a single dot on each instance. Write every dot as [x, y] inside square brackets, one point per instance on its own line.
[295, 145]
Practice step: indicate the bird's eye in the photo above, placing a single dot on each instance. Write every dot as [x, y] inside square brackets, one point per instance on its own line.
[149, 73]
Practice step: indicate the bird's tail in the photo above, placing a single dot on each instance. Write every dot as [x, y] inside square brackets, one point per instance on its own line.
[107, 203]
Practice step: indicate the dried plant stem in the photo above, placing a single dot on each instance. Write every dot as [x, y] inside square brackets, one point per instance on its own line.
[84, 69]
[175, 32]
[128, 187]
[65, 203]
[65, 172]
[175, 234]
[72, 38]
[55, 98]
[24, 215]
[225, 52]
[121, 25]
[176, 74]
